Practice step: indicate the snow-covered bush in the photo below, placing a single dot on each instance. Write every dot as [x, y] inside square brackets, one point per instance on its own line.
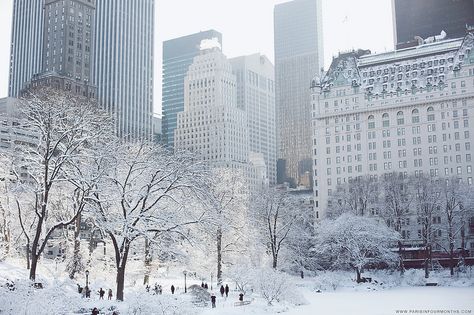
[243, 276]
[275, 286]
[325, 281]
[356, 242]
[24, 299]
[144, 304]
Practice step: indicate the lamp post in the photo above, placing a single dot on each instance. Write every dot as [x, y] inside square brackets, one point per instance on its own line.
[87, 278]
[185, 288]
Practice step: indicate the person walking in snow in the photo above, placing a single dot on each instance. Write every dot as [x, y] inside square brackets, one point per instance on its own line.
[95, 311]
[226, 291]
[172, 289]
[206, 286]
[101, 294]
[213, 300]
[110, 294]
[222, 290]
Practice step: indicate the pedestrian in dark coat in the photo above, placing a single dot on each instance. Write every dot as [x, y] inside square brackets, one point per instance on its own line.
[110, 294]
[241, 297]
[202, 285]
[222, 290]
[226, 290]
[213, 300]
[101, 294]
[172, 289]
[206, 286]
[95, 311]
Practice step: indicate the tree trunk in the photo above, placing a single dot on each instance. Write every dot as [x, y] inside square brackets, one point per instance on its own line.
[359, 278]
[427, 262]
[77, 247]
[121, 272]
[34, 263]
[275, 260]
[219, 256]
[146, 278]
[120, 281]
[28, 255]
[451, 258]
[400, 253]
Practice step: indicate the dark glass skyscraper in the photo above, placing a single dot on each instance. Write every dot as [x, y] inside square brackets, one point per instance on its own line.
[426, 18]
[298, 56]
[27, 44]
[178, 55]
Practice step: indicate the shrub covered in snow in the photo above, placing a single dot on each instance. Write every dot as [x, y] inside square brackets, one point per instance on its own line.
[275, 286]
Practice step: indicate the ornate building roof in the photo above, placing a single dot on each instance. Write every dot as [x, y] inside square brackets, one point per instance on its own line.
[414, 68]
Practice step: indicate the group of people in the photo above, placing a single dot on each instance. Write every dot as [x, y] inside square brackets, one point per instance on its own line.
[86, 292]
[158, 289]
[223, 290]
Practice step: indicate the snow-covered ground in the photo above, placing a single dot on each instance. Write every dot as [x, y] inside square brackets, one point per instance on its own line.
[339, 295]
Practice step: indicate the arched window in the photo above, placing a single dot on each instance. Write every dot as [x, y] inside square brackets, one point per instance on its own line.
[400, 119]
[385, 120]
[371, 122]
[431, 115]
[415, 118]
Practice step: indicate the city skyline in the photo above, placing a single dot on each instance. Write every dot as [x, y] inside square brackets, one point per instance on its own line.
[344, 28]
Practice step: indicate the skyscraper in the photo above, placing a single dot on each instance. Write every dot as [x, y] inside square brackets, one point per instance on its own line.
[211, 124]
[428, 18]
[67, 46]
[123, 71]
[26, 44]
[298, 55]
[256, 95]
[102, 50]
[178, 55]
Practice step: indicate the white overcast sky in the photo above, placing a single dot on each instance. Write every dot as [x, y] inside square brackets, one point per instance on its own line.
[247, 27]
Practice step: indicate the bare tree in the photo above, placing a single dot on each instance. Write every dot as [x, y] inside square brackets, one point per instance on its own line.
[279, 218]
[357, 197]
[395, 204]
[229, 207]
[62, 126]
[455, 197]
[144, 196]
[428, 204]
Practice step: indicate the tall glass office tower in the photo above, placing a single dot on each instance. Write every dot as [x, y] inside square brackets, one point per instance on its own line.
[107, 44]
[178, 55]
[123, 70]
[298, 56]
[26, 45]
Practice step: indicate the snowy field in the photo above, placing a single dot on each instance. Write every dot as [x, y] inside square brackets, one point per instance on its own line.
[339, 295]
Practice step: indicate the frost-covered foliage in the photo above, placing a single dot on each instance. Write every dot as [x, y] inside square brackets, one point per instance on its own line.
[228, 204]
[243, 276]
[276, 286]
[144, 304]
[24, 299]
[146, 194]
[50, 172]
[356, 242]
